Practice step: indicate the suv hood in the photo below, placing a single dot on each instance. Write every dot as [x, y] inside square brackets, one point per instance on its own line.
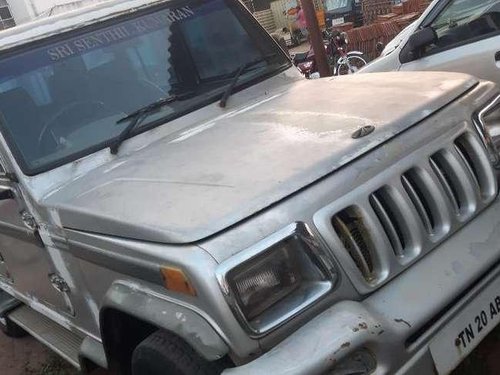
[193, 184]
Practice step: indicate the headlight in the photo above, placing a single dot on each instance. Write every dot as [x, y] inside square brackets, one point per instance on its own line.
[262, 283]
[487, 122]
[273, 281]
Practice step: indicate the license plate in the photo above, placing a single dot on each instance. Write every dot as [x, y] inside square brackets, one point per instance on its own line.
[337, 21]
[463, 333]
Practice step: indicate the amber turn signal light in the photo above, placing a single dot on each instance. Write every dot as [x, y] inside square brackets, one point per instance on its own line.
[176, 280]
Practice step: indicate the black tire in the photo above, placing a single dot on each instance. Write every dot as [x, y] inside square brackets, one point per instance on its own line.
[11, 329]
[166, 354]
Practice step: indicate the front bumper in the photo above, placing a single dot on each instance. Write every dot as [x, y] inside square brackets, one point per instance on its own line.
[398, 323]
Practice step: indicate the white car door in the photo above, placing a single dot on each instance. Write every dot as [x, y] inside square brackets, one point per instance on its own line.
[468, 40]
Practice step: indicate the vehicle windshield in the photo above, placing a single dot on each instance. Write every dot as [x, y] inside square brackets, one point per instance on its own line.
[62, 100]
[459, 13]
[336, 4]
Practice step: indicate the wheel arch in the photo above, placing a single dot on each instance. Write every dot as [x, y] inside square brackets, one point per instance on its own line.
[130, 313]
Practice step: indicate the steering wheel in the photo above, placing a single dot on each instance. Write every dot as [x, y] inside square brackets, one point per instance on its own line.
[90, 108]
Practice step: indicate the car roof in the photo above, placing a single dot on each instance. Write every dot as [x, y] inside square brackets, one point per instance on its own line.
[48, 26]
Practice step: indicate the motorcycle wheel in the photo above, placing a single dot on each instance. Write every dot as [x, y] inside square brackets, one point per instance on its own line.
[351, 66]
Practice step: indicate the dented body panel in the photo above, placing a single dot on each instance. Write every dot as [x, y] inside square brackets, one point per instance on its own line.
[218, 184]
[396, 333]
[172, 204]
[188, 322]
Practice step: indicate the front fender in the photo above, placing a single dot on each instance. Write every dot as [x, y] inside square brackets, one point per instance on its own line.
[152, 307]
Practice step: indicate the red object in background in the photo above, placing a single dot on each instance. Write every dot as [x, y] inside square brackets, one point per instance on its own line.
[335, 49]
[343, 27]
[316, 38]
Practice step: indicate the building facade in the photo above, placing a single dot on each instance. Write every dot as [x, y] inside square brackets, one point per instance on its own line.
[7, 18]
[15, 12]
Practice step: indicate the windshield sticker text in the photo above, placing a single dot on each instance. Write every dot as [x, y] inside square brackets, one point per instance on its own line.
[118, 33]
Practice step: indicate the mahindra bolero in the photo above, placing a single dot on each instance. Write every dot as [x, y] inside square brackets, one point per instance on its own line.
[176, 199]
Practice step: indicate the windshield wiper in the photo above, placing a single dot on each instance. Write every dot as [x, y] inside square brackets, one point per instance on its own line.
[242, 69]
[138, 116]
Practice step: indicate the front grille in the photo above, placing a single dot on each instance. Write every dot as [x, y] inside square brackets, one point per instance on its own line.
[392, 219]
[476, 162]
[442, 165]
[415, 210]
[353, 233]
[420, 195]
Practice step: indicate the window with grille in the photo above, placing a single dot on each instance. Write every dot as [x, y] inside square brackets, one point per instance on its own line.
[6, 19]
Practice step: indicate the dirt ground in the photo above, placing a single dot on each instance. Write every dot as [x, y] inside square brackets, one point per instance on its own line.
[26, 356]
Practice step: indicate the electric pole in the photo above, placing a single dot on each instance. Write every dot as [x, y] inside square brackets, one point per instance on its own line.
[316, 38]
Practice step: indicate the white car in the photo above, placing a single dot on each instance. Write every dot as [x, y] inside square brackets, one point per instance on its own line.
[451, 35]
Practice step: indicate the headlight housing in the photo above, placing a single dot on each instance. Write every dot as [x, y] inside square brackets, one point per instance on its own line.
[273, 281]
[487, 123]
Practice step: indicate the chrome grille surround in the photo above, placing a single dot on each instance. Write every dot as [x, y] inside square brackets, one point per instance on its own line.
[480, 125]
[406, 218]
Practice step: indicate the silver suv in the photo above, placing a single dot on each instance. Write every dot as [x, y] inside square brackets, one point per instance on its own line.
[176, 199]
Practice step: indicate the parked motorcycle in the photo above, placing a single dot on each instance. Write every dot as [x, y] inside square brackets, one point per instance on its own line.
[341, 61]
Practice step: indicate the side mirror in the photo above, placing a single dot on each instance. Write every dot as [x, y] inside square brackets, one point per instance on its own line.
[417, 41]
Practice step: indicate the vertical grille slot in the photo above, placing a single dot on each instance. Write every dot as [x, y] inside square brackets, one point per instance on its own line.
[353, 232]
[386, 210]
[466, 160]
[477, 163]
[449, 181]
[420, 195]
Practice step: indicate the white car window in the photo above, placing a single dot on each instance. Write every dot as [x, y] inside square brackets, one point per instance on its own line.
[465, 20]
[335, 4]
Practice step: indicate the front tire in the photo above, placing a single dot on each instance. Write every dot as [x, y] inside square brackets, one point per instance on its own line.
[166, 354]
[11, 329]
[351, 66]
